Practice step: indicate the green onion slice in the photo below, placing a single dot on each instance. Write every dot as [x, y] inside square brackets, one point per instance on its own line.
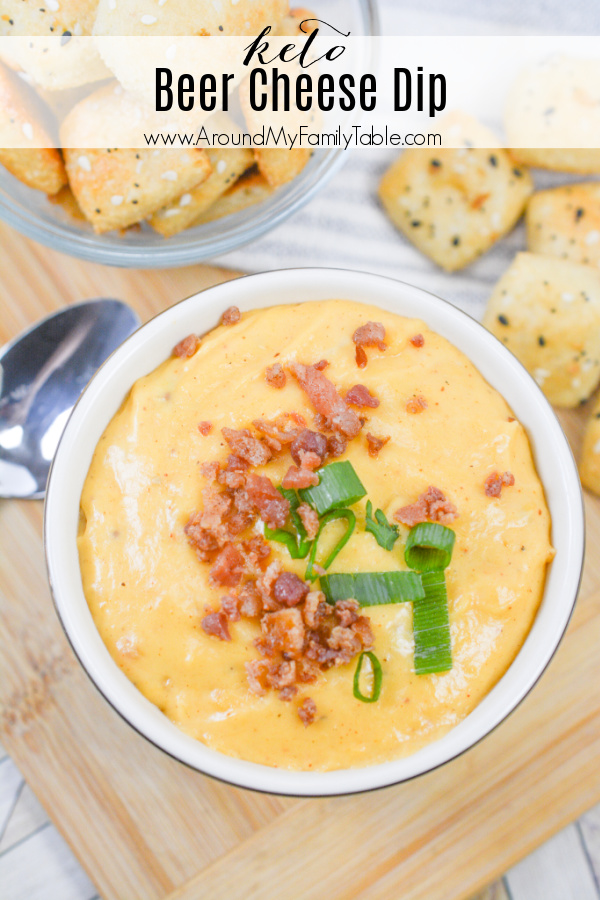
[330, 517]
[377, 678]
[297, 544]
[339, 485]
[373, 588]
[431, 626]
[286, 537]
[429, 547]
[385, 534]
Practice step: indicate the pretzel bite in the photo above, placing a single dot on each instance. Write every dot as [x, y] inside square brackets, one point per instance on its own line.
[248, 190]
[553, 115]
[21, 122]
[547, 311]
[565, 222]
[454, 204]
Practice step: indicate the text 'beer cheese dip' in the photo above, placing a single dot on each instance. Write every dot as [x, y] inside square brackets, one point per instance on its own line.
[389, 442]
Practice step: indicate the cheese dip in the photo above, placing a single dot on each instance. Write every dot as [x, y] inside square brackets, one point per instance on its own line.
[155, 583]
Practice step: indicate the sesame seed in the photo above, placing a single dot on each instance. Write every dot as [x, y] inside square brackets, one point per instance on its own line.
[185, 200]
[503, 320]
[112, 4]
[52, 5]
[84, 163]
[148, 20]
[597, 447]
[171, 51]
[592, 237]
[567, 298]
[27, 130]
[170, 175]
[116, 199]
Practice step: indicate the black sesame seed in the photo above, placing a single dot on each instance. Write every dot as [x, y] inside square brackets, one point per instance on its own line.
[220, 28]
[503, 320]
[579, 213]
[518, 173]
[98, 211]
[435, 163]
[542, 341]
[493, 160]
[65, 38]
[416, 223]
[549, 111]
[456, 241]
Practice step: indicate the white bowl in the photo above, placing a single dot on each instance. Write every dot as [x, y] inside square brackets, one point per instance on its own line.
[148, 347]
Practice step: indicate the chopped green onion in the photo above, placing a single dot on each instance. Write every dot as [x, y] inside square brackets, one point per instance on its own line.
[373, 588]
[330, 517]
[429, 547]
[303, 540]
[385, 534]
[297, 544]
[286, 537]
[377, 678]
[339, 485]
[431, 627]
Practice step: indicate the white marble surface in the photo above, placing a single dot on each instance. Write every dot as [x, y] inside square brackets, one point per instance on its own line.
[344, 226]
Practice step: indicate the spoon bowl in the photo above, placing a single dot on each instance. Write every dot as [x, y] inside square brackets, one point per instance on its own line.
[42, 373]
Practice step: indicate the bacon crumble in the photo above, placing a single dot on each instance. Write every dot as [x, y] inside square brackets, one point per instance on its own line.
[496, 481]
[298, 478]
[431, 506]
[215, 623]
[416, 404]
[275, 376]
[228, 567]
[307, 711]
[309, 442]
[289, 590]
[360, 396]
[272, 508]
[205, 428]
[187, 346]
[326, 400]
[417, 340]
[310, 519]
[374, 443]
[246, 446]
[372, 334]
[231, 316]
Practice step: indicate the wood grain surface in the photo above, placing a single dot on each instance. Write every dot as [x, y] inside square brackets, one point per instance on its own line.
[147, 828]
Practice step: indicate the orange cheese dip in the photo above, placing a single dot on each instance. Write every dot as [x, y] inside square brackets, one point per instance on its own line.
[148, 592]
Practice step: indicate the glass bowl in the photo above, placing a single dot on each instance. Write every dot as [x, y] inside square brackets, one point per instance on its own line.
[31, 213]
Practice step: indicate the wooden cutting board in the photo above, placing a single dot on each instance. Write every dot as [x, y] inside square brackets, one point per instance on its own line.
[145, 827]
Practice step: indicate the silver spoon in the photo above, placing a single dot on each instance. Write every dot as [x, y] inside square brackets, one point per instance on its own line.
[42, 373]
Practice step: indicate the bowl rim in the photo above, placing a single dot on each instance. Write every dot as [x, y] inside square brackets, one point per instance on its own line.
[345, 781]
